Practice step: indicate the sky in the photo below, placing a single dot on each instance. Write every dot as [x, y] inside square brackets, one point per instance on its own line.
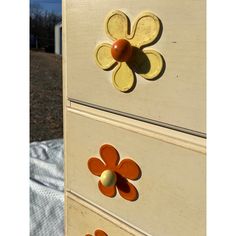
[49, 5]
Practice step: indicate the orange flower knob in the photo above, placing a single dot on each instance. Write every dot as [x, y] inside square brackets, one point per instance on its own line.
[114, 174]
[98, 232]
[121, 50]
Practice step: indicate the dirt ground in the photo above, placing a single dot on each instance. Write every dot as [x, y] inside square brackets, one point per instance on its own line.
[46, 120]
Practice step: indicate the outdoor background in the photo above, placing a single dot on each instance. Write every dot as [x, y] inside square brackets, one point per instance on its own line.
[45, 72]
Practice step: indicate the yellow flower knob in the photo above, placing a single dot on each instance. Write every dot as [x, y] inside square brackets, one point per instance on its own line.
[108, 178]
[127, 52]
[121, 50]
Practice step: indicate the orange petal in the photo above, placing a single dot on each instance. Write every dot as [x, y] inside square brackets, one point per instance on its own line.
[129, 169]
[108, 191]
[99, 232]
[127, 190]
[96, 166]
[109, 155]
[88, 235]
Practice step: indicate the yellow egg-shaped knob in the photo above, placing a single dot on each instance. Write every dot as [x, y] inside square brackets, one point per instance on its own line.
[108, 178]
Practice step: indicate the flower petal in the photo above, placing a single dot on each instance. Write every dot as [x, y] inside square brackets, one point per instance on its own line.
[108, 191]
[155, 64]
[129, 169]
[146, 29]
[117, 24]
[109, 155]
[127, 190]
[123, 77]
[99, 232]
[96, 166]
[103, 56]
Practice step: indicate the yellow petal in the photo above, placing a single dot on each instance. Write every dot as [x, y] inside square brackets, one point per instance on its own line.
[117, 25]
[103, 56]
[145, 30]
[155, 64]
[123, 77]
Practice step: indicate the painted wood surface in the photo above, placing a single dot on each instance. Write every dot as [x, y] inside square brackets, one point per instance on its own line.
[178, 97]
[84, 219]
[172, 186]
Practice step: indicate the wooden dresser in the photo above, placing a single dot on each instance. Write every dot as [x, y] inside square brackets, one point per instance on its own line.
[134, 117]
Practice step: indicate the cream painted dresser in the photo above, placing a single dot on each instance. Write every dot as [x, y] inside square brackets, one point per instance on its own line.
[134, 117]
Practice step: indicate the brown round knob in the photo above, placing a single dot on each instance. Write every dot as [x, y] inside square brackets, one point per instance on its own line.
[121, 50]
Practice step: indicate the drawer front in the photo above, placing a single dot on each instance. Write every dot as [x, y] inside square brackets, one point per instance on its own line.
[84, 220]
[179, 90]
[171, 190]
